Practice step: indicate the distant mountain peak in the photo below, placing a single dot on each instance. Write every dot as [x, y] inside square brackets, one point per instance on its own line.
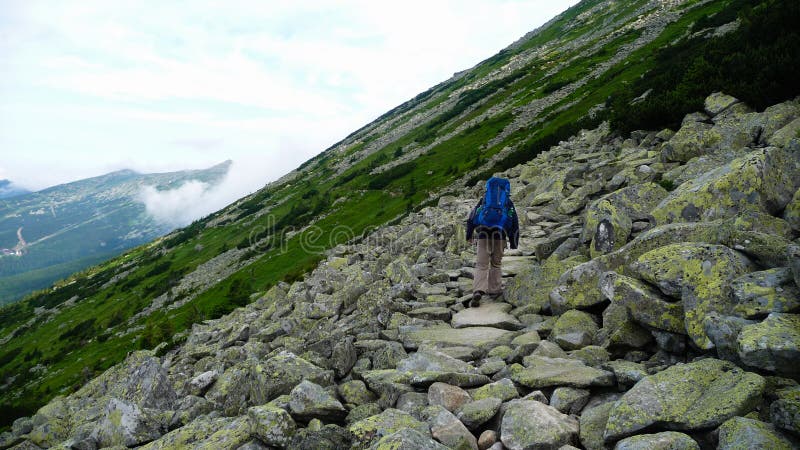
[8, 189]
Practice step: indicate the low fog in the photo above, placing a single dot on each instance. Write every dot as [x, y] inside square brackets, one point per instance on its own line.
[195, 199]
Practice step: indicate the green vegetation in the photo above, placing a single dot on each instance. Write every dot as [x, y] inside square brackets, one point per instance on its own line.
[88, 320]
[758, 64]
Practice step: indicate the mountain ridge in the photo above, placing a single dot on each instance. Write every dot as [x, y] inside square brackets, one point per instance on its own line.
[73, 225]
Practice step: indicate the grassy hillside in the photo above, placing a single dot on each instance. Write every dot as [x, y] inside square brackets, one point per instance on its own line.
[581, 69]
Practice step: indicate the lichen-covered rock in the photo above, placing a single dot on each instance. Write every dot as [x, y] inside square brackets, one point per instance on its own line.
[372, 429]
[448, 430]
[309, 400]
[51, 423]
[718, 102]
[543, 372]
[532, 285]
[272, 425]
[322, 437]
[666, 440]
[763, 180]
[759, 293]
[784, 412]
[773, 344]
[355, 392]
[700, 274]
[784, 136]
[743, 433]
[503, 389]
[206, 432]
[593, 425]
[792, 212]
[644, 304]
[569, 400]
[407, 439]
[476, 413]
[528, 424]
[574, 330]
[699, 395]
[691, 140]
[140, 379]
[124, 423]
[609, 219]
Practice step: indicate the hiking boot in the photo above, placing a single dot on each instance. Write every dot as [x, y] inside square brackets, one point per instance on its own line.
[476, 299]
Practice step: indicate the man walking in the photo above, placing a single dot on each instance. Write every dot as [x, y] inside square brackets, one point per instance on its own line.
[492, 224]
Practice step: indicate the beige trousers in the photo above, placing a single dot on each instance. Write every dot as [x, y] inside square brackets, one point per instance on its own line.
[488, 275]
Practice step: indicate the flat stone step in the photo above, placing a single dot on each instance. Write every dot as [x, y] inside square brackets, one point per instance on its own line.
[493, 315]
[483, 338]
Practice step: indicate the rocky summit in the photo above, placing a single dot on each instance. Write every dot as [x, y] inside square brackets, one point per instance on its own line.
[652, 304]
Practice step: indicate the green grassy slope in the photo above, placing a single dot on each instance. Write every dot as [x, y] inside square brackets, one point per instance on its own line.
[502, 112]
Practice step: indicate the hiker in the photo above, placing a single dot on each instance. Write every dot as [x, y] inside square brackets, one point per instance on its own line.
[492, 224]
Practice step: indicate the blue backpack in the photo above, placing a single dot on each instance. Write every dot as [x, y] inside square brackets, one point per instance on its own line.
[495, 211]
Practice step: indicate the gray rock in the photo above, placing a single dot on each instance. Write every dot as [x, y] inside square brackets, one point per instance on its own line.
[773, 344]
[309, 400]
[372, 429]
[644, 304]
[407, 439]
[272, 425]
[413, 403]
[759, 293]
[627, 373]
[667, 440]
[450, 397]
[206, 432]
[700, 274]
[724, 333]
[693, 396]
[574, 330]
[124, 423]
[448, 430]
[741, 432]
[569, 400]
[201, 383]
[531, 425]
[343, 357]
[593, 425]
[487, 439]
[784, 412]
[484, 338]
[503, 389]
[476, 413]
[487, 315]
[543, 372]
[318, 436]
[355, 392]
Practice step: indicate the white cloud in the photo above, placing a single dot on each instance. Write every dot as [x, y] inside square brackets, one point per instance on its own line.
[94, 86]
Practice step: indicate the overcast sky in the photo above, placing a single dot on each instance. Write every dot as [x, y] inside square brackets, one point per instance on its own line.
[91, 86]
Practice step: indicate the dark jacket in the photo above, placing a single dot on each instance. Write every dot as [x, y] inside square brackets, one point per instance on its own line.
[480, 232]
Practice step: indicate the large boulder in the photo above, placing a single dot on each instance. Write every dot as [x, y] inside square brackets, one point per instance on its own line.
[272, 425]
[124, 423]
[644, 304]
[784, 412]
[772, 345]
[694, 396]
[531, 286]
[744, 433]
[609, 219]
[250, 383]
[206, 432]
[757, 294]
[764, 180]
[309, 400]
[528, 424]
[407, 439]
[699, 274]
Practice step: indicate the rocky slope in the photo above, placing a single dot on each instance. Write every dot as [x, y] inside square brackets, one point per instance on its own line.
[66, 228]
[653, 304]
